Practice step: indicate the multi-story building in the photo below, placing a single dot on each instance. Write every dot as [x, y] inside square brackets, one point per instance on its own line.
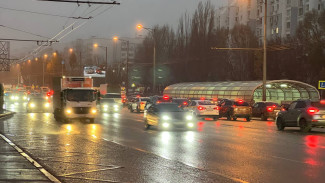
[283, 16]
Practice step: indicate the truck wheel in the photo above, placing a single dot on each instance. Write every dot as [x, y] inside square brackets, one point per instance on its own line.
[280, 124]
[304, 126]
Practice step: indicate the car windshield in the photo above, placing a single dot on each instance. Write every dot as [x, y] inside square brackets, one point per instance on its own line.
[108, 100]
[205, 102]
[112, 95]
[80, 95]
[169, 108]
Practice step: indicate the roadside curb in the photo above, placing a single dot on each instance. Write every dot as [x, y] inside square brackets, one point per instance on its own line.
[7, 113]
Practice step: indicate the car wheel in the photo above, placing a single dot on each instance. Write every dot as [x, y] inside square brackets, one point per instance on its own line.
[131, 109]
[234, 118]
[228, 117]
[304, 126]
[280, 124]
[138, 110]
[248, 119]
[263, 118]
[146, 125]
[215, 118]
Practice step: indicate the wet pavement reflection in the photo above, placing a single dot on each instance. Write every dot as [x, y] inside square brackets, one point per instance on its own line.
[117, 148]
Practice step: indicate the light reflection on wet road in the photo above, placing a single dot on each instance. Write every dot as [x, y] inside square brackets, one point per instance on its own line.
[116, 148]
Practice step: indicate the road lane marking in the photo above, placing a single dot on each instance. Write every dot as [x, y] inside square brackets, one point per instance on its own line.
[91, 171]
[209, 171]
[31, 160]
[84, 178]
[277, 157]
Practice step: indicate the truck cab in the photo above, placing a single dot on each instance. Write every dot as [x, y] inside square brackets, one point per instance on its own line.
[75, 100]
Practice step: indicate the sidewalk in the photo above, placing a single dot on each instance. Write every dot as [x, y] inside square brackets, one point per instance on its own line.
[6, 113]
[16, 168]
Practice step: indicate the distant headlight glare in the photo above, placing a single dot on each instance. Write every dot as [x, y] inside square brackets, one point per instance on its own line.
[32, 105]
[166, 117]
[165, 125]
[189, 117]
[191, 125]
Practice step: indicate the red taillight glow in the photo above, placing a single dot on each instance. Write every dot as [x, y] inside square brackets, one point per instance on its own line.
[200, 108]
[138, 96]
[216, 108]
[322, 101]
[312, 110]
[202, 98]
[270, 109]
[240, 101]
[141, 103]
[185, 103]
[274, 106]
[165, 97]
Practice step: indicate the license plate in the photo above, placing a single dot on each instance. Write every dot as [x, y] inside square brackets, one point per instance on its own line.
[209, 109]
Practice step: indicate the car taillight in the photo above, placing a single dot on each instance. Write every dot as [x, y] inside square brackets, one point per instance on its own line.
[200, 108]
[165, 97]
[185, 103]
[312, 110]
[322, 101]
[202, 98]
[216, 108]
[274, 106]
[270, 109]
[141, 103]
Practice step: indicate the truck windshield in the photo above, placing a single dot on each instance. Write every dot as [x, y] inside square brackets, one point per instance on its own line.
[80, 95]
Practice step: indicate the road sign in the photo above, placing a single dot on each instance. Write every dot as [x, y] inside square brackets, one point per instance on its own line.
[321, 85]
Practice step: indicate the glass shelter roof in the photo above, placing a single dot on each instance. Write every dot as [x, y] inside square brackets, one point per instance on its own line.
[276, 90]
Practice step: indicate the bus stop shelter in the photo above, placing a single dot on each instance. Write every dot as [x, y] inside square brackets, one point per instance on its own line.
[281, 91]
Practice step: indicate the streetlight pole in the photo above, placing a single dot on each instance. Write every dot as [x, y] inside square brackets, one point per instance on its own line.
[139, 27]
[264, 48]
[45, 57]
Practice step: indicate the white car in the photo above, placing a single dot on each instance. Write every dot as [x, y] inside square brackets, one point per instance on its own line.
[138, 104]
[203, 108]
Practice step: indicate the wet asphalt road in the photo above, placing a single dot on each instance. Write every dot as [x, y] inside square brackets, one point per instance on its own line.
[117, 149]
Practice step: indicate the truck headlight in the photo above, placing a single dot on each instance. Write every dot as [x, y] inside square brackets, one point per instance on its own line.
[68, 111]
[32, 105]
[93, 111]
[190, 125]
[47, 104]
[189, 117]
[165, 125]
[165, 117]
[105, 106]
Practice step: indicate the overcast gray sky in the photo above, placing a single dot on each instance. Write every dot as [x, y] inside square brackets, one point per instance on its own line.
[118, 20]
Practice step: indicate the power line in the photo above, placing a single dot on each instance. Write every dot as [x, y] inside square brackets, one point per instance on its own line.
[82, 2]
[24, 31]
[47, 14]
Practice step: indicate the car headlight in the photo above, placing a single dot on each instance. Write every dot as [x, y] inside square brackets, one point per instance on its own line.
[93, 111]
[116, 106]
[105, 106]
[191, 125]
[32, 105]
[189, 117]
[16, 97]
[12, 98]
[47, 104]
[166, 117]
[25, 98]
[165, 125]
[68, 111]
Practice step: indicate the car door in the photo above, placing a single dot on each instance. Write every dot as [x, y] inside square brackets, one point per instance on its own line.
[301, 105]
[255, 109]
[289, 115]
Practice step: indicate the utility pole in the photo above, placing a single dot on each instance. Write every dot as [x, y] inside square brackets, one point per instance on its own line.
[127, 68]
[106, 70]
[264, 48]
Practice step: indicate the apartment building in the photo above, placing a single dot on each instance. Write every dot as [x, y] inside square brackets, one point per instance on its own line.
[283, 16]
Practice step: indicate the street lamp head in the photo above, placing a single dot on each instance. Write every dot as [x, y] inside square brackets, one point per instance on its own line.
[29, 61]
[95, 45]
[139, 27]
[45, 56]
[54, 54]
[71, 50]
[115, 38]
[36, 59]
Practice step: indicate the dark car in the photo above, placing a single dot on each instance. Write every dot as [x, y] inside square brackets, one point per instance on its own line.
[305, 114]
[110, 105]
[233, 109]
[182, 102]
[38, 105]
[160, 99]
[265, 110]
[167, 116]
